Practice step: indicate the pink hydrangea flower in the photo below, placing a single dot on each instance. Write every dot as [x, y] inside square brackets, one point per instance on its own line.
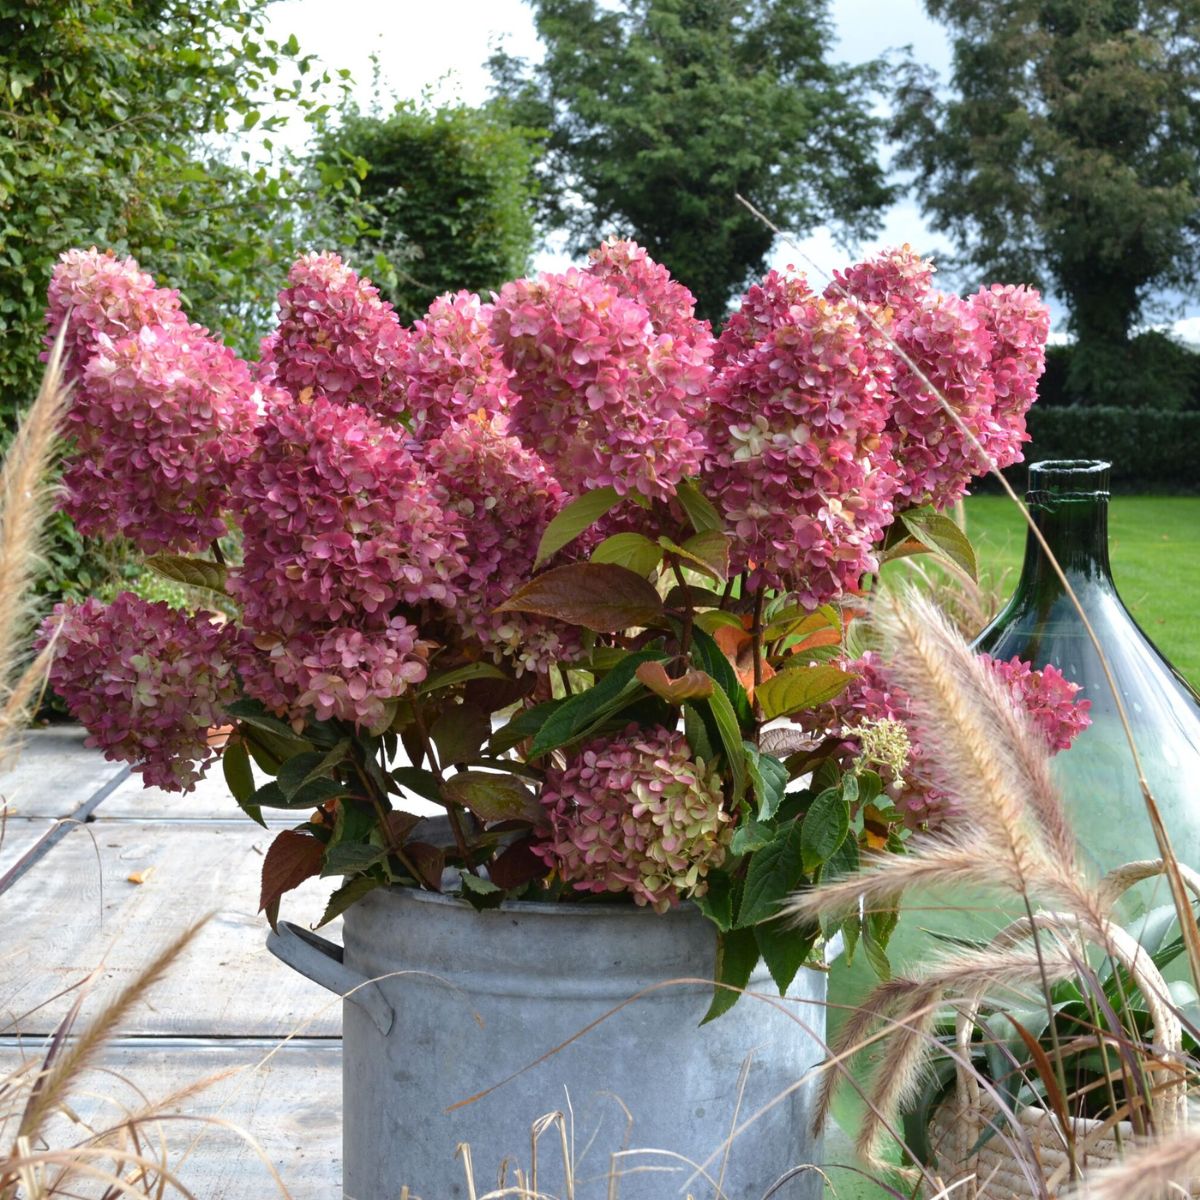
[875, 712]
[99, 294]
[503, 497]
[636, 813]
[338, 338]
[764, 306]
[334, 671]
[1048, 697]
[160, 422]
[601, 397]
[338, 520]
[1019, 324]
[453, 368]
[636, 276]
[147, 681]
[798, 462]
[897, 279]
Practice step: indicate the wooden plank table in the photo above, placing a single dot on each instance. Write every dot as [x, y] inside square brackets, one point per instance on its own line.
[82, 829]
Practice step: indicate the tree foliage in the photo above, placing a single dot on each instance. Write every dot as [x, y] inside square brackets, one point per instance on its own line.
[115, 122]
[1067, 152]
[447, 196]
[659, 111]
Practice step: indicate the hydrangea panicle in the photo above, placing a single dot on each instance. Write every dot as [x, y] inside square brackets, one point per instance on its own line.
[338, 521]
[636, 812]
[798, 460]
[765, 305]
[452, 367]
[160, 424]
[636, 276]
[147, 681]
[503, 497]
[338, 338]
[601, 397]
[897, 280]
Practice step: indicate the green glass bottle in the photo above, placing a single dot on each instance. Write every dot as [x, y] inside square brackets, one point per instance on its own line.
[1069, 503]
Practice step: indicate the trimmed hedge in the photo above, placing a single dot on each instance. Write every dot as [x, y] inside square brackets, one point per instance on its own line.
[1148, 447]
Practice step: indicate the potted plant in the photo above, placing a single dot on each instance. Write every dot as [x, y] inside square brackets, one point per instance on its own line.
[581, 575]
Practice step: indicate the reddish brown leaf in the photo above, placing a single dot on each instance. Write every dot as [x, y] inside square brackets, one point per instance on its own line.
[691, 685]
[603, 597]
[291, 858]
[400, 825]
[516, 865]
[430, 862]
[492, 796]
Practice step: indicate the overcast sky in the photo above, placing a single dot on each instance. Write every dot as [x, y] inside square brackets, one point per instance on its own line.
[441, 48]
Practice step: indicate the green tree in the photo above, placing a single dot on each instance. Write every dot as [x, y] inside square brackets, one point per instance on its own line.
[1066, 151]
[447, 196]
[659, 111]
[115, 122]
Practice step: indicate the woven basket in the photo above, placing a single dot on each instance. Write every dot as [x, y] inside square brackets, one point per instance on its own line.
[1036, 1145]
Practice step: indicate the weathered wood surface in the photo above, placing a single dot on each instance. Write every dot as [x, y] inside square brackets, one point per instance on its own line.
[19, 836]
[55, 775]
[291, 1105]
[77, 911]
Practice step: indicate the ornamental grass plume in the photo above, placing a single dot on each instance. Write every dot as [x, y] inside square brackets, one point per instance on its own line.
[636, 813]
[1009, 835]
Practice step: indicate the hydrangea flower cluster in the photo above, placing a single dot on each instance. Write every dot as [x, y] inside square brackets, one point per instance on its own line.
[983, 355]
[339, 521]
[636, 276]
[94, 294]
[337, 338]
[334, 670]
[503, 497]
[340, 525]
[797, 461]
[147, 681]
[161, 413]
[873, 719]
[636, 813]
[605, 400]
[160, 423]
[453, 368]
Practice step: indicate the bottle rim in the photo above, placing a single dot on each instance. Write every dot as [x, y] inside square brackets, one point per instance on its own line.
[1069, 478]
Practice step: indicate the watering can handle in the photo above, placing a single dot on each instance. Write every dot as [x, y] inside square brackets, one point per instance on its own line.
[321, 961]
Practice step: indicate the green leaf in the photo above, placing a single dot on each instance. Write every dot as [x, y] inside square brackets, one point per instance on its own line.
[270, 795]
[419, 781]
[750, 836]
[602, 597]
[480, 893]
[571, 521]
[784, 948]
[524, 724]
[943, 536]
[459, 733]
[699, 509]
[774, 872]
[493, 797]
[731, 740]
[710, 656]
[824, 828]
[573, 717]
[349, 893]
[192, 572]
[460, 675]
[351, 858]
[235, 763]
[308, 766]
[798, 688]
[632, 550]
[737, 954]
[707, 552]
[717, 902]
[696, 732]
[768, 778]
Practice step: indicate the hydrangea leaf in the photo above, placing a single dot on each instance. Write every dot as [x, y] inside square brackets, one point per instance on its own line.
[603, 597]
[574, 519]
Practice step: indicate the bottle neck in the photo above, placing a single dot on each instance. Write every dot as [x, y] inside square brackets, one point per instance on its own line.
[1076, 530]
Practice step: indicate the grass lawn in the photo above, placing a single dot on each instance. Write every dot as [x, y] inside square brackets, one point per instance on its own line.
[1155, 549]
